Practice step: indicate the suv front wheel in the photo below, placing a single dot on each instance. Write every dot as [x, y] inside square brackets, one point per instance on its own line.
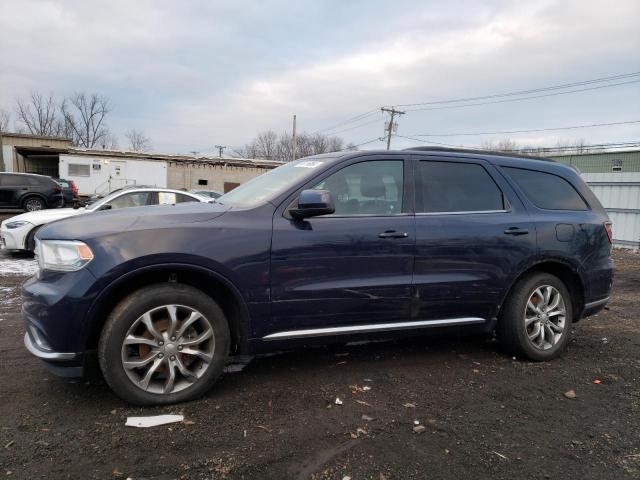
[535, 320]
[165, 343]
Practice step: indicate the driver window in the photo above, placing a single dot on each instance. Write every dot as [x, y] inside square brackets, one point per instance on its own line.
[138, 199]
[367, 188]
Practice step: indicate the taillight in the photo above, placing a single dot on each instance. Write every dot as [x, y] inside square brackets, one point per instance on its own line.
[608, 226]
[74, 188]
[57, 189]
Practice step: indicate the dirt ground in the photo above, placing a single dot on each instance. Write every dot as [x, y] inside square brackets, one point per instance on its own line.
[485, 415]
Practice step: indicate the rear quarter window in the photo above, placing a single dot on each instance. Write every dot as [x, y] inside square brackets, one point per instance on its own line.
[546, 190]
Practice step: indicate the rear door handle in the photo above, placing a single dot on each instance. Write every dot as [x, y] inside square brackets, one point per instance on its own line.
[516, 231]
[393, 234]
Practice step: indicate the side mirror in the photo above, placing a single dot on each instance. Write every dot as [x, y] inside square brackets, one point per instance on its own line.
[312, 203]
[106, 206]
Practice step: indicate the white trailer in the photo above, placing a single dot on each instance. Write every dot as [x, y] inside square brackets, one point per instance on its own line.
[102, 174]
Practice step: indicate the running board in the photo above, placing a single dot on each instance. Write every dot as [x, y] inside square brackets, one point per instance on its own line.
[376, 327]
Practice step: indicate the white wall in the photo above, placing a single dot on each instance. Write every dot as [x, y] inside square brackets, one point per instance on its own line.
[619, 194]
[102, 178]
[7, 156]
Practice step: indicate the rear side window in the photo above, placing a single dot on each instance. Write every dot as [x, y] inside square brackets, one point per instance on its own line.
[14, 180]
[458, 187]
[546, 190]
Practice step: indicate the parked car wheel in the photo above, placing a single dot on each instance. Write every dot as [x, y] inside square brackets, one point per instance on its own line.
[164, 344]
[30, 242]
[535, 321]
[31, 204]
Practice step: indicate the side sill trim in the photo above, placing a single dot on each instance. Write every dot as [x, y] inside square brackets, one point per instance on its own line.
[376, 327]
[597, 303]
[45, 355]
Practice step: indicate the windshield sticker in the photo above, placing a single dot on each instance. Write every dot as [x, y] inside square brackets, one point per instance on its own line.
[308, 164]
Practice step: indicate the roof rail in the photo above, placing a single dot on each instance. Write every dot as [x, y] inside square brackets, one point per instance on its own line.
[478, 151]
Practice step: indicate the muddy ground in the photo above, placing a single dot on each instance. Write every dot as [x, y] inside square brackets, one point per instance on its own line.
[486, 415]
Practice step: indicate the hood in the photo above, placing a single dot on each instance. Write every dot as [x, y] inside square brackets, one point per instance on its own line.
[108, 222]
[45, 216]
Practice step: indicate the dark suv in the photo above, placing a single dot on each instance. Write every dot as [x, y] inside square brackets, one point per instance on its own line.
[29, 191]
[333, 247]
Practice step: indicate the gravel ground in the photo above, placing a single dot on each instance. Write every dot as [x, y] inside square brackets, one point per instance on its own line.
[484, 414]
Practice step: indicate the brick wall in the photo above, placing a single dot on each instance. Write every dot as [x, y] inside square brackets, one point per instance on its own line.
[187, 175]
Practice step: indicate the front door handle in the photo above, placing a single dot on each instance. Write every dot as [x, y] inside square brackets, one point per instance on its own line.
[516, 231]
[393, 234]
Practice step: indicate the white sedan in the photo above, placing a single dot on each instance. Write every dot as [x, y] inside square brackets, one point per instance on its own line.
[17, 233]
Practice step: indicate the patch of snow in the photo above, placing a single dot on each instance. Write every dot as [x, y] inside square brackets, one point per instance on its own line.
[9, 295]
[22, 267]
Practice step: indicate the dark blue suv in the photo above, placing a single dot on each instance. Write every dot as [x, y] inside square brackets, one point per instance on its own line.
[331, 247]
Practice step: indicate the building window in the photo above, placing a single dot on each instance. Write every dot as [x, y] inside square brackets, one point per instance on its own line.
[202, 181]
[79, 170]
[228, 186]
[616, 165]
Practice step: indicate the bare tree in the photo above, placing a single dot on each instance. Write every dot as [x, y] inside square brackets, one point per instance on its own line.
[83, 116]
[504, 145]
[272, 146]
[39, 114]
[109, 142]
[5, 119]
[138, 141]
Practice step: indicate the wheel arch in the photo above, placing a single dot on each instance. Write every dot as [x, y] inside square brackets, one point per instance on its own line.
[24, 198]
[566, 273]
[218, 287]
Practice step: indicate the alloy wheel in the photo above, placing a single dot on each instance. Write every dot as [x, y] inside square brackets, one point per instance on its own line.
[168, 348]
[545, 317]
[32, 205]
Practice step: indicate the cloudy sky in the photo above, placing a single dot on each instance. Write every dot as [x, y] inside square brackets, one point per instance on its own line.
[193, 74]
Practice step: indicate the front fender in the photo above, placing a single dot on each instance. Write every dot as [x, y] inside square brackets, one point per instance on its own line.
[112, 288]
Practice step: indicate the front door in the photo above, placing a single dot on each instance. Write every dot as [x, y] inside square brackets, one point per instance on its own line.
[353, 267]
[473, 237]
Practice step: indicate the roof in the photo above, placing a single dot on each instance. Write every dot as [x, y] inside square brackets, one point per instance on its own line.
[34, 137]
[125, 154]
[478, 152]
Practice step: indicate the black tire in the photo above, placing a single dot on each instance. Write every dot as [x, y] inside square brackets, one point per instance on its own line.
[33, 203]
[129, 310]
[511, 329]
[30, 242]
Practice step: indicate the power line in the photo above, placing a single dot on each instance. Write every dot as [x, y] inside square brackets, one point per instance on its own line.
[377, 139]
[597, 146]
[523, 98]
[572, 127]
[349, 120]
[354, 127]
[525, 92]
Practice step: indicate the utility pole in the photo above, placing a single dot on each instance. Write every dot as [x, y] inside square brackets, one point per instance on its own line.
[294, 138]
[220, 149]
[390, 129]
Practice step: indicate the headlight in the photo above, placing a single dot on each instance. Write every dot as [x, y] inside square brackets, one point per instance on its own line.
[16, 224]
[62, 255]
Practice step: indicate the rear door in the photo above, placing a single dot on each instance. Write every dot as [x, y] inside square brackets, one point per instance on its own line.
[12, 187]
[352, 268]
[473, 237]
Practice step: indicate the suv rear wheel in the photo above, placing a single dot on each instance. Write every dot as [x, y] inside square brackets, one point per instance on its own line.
[535, 321]
[164, 344]
[32, 203]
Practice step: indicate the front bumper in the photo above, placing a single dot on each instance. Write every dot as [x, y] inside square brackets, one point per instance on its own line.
[13, 239]
[54, 310]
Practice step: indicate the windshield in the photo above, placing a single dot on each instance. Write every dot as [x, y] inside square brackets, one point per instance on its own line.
[271, 184]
